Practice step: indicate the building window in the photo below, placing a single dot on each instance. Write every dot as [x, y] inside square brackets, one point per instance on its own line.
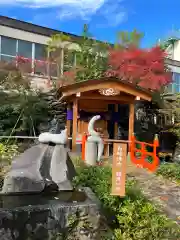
[40, 64]
[25, 51]
[44, 65]
[38, 60]
[176, 80]
[170, 88]
[40, 51]
[7, 58]
[8, 46]
[174, 87]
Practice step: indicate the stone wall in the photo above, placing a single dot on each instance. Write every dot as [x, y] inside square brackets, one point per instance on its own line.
[58, 111]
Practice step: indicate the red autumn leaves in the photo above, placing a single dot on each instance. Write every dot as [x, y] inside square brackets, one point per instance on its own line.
[21, 59]
[142, 67]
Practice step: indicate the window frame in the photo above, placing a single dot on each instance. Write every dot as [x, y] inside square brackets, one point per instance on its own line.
[175, 84]
[8, 55]
[60, 70]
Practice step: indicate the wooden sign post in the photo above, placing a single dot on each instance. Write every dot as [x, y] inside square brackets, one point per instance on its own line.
[119, 169]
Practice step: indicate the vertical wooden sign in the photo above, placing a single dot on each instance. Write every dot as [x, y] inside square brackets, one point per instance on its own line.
[119, 169]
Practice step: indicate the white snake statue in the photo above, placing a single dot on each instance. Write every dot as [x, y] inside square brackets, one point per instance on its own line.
[95, 136]
[60, 138]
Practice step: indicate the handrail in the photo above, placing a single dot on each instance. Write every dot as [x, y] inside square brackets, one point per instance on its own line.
[116, 141]
[23, 137]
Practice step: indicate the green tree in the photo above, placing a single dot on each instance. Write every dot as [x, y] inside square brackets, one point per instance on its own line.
[90, 57]
[175, 112]
[125, 39]
[22, 109]
[91, 60]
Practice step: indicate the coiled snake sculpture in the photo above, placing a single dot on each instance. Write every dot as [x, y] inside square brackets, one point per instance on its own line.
[95, 136]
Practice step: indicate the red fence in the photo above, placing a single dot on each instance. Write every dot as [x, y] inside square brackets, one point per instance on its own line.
[142, 160]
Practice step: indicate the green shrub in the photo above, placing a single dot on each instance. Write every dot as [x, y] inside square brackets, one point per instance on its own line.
[133, 217]
[23, 113]
[170, 171]
[7, 152]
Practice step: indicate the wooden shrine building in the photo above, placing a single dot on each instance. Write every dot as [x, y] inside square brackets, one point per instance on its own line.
[92, 97]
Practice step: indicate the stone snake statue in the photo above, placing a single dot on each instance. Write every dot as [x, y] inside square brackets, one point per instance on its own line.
[95, 136]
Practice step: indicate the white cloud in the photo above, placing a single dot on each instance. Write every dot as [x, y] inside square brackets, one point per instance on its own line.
[109, 10]
[117, 19]
[113, 14]
[92, 5]
[110, 13]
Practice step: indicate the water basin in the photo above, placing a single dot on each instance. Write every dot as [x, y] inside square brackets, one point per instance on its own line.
[23, 200]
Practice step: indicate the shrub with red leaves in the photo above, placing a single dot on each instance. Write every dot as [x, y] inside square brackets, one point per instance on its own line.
[142, 67]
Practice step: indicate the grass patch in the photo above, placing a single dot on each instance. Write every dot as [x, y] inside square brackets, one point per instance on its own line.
[170, 171]
[7, 153]
[132, 217]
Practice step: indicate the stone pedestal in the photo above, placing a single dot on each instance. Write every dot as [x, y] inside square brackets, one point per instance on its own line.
[69, 217]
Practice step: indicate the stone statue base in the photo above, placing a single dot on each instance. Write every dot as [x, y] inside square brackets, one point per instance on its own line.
[75, 215]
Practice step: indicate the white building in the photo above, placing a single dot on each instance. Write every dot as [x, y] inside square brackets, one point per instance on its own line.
[18, 38]
[173, 60]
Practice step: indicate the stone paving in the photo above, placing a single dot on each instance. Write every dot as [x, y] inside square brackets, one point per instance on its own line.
[164, 193]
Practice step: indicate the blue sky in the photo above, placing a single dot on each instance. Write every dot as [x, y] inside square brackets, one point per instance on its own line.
[155, 18]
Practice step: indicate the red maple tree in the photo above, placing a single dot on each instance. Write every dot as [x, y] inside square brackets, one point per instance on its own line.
[143, 67]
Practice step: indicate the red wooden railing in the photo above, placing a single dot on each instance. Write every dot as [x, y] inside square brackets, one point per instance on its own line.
[141, 160]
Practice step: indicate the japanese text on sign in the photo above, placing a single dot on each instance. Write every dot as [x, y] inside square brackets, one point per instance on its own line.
[119, 156]
[119, 169]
